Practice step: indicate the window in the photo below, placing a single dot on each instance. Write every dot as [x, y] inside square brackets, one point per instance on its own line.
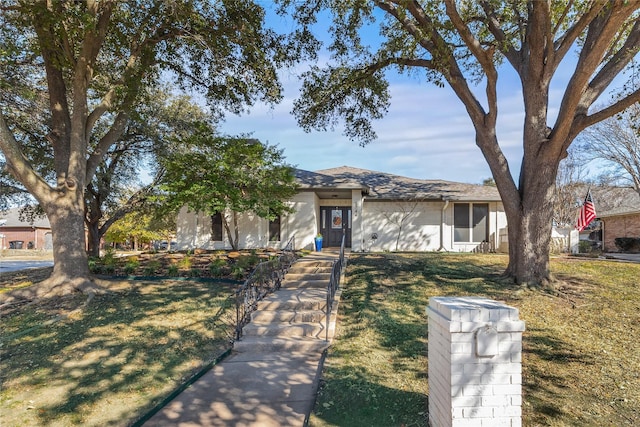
[470, 222]
[216, 226]
[274, 229]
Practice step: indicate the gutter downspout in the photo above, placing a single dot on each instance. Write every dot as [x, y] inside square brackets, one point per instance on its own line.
[444, 207]
[361, 217]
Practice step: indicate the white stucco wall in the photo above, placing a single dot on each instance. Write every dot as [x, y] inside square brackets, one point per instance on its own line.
[194, 229]
[420, 229]
[303, 223]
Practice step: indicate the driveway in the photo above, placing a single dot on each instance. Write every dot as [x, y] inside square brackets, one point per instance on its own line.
[11, 265]
[624, 257]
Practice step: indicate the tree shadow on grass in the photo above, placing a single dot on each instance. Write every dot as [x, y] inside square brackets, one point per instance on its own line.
[351, 398]
[127, 348]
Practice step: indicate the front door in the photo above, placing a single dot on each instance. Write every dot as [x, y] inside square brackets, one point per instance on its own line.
[334, 222]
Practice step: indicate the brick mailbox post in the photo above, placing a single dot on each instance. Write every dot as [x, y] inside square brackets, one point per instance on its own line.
[475, 363]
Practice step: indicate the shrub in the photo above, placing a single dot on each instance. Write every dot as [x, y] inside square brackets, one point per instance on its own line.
[628, 244]
[584, 246]
[94, 265]
[247, 261]
[109, 258]
[237, 272]
[216, 267]
[151, 268]
[172, 270]
[131, 265]
[185, 263]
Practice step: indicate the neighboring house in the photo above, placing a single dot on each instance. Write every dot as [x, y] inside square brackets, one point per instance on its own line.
[17, 234]
[375, 211]
[623, 221]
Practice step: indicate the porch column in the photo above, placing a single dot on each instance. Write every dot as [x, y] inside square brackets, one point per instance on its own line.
[357, 224]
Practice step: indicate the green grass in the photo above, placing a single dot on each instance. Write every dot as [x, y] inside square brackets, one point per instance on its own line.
[581, 356]
[109, 362]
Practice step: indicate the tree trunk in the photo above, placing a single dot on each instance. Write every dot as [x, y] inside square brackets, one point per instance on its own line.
[530, 230]
[94, 237]
[71, 269]
[529, 239]
[233, 242]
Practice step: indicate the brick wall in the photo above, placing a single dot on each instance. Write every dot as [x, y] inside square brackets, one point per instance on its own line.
[619, 226]
[475, 363]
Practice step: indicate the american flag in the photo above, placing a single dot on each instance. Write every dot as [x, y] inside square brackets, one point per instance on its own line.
[587, 213]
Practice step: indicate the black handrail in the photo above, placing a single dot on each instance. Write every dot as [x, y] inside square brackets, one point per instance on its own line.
[334, 283]
[264, 279]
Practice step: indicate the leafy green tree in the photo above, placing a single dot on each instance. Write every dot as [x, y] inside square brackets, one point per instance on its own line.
[135, 228]
[228, 176]
[93, 60]
[115, 190]
[468, 43]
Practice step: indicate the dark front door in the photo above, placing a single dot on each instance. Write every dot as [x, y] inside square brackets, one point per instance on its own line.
[334, 222]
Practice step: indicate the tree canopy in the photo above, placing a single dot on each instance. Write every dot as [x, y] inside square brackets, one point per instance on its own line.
[89, 62]
[466, 45]
[227, 175]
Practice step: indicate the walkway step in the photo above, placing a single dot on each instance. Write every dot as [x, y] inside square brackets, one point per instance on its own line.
[262, 316]
[295, 299]
[305, 268]
[281, 344]
[305, 284]
[316, 330]
[294, 277]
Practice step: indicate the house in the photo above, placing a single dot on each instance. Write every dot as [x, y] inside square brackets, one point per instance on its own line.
[623, 221]
[16, 233]
[374, 211]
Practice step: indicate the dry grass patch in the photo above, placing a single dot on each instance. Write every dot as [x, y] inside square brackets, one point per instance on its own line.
[581, 356]
[109, 362]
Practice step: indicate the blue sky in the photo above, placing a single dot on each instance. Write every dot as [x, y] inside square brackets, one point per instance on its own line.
[426, 134]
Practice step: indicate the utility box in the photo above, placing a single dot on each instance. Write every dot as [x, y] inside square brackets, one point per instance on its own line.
[475, 363]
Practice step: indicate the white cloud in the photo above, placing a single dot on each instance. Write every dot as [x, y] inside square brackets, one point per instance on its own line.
[426, 134]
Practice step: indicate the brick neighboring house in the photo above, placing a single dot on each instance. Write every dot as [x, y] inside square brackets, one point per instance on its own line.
[620, 222]
[17, 234]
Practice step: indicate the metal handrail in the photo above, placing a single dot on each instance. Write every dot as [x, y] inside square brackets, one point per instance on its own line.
[334, 284]
[264, 279]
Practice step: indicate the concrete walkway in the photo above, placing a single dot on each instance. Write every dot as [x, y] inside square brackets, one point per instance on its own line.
[271, 377]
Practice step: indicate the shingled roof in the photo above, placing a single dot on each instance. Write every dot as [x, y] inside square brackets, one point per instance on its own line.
[13, 219]
[380, 185]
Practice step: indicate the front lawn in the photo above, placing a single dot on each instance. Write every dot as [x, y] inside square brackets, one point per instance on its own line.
[107, 363]
[581, 353]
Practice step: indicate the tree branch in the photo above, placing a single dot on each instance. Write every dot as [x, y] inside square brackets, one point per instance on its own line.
[614, 66]
[18, 165]
[602, 30]
[586, 121]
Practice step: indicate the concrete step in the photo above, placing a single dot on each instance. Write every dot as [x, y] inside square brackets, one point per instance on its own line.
[305, 284]
[306, 276]
[280, 344]
[295, 299]
[281, 316]
[305, 268]
[316, 330]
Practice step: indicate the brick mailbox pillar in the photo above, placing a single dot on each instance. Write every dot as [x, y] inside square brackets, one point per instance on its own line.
[475, 363]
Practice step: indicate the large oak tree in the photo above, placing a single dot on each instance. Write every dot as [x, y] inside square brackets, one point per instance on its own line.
[466, 44]
[93, 59]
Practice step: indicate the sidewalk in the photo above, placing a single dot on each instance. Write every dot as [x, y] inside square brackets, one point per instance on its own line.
[271, 378]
